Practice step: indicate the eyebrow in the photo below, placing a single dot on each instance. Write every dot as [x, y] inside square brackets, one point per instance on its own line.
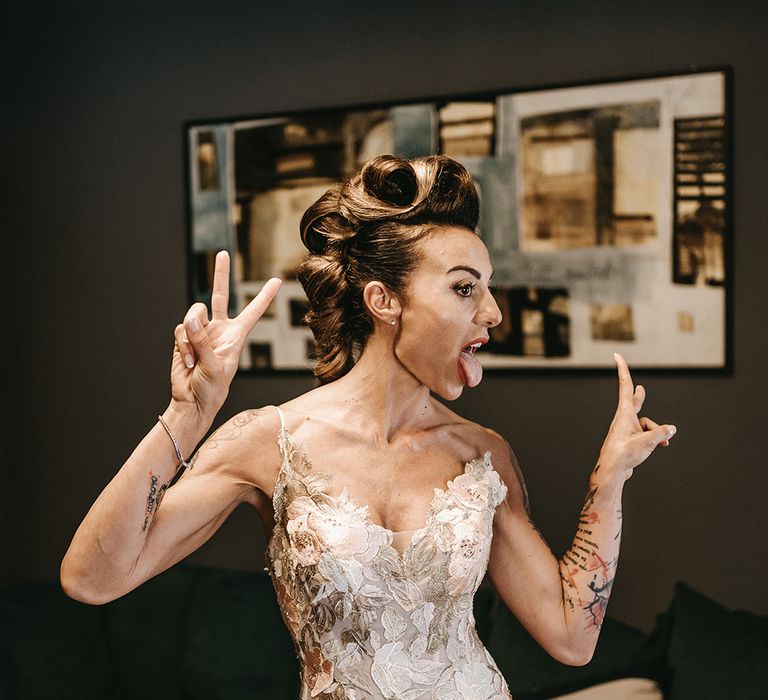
[471, 270]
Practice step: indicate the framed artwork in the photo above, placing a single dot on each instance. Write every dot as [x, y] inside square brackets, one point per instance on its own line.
[606, 208]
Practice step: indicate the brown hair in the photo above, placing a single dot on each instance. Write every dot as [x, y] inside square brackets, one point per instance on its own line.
[368, 228]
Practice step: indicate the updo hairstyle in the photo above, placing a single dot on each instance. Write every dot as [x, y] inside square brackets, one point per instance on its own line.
[368, 228]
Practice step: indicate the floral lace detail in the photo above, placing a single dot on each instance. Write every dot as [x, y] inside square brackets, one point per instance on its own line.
[367, 620]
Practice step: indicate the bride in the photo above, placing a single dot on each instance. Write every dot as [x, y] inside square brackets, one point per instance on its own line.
[383, 509]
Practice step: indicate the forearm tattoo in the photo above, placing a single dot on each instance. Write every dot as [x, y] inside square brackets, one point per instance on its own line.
[154, 497]
[583, 563]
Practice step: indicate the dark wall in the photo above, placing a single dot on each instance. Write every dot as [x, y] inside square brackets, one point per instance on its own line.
[93, 148]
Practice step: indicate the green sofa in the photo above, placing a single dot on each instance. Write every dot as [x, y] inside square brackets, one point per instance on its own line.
[201, 633]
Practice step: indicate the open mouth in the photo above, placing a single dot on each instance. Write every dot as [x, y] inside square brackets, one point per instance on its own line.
[470, 370]
[472, 347]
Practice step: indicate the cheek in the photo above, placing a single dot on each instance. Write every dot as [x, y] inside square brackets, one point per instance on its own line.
[436, 337]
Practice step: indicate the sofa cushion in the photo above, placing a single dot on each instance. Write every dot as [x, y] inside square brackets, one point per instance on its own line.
[237, 643]
[621, 689]
[532, 674]
[56, 644]
[145, 631]
[714, 652]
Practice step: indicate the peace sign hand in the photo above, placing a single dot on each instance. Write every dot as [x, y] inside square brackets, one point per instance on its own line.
[631, 440]
[206, 353]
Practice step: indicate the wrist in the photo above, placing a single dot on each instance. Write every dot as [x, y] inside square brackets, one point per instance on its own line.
[608, 481]
[187, 413]
[188, 426]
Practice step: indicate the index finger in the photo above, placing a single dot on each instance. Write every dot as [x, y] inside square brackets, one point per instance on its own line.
[220, 293]
[626, 390]
[258, 305]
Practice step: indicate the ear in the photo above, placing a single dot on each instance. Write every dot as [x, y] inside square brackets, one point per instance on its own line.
[383, 305]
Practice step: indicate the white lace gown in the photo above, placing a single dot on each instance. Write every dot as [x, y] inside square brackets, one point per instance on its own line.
[371, 620]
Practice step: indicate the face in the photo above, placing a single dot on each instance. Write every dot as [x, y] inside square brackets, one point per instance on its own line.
[449, 307]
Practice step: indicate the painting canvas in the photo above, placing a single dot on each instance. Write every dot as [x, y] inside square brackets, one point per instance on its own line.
[605, 209]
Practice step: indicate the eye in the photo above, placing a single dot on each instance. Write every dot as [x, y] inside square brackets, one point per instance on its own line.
[464, 290]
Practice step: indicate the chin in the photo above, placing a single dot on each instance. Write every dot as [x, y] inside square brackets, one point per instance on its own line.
[449, 393]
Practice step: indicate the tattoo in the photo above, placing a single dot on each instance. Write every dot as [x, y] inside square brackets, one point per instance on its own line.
[228, 431]
[232, 429]
[583, 556]
[596, 607]
[570, 588]
[538, 532]
[518, 471]
[154, 498]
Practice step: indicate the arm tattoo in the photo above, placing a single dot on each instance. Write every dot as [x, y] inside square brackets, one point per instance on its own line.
[229, 431]
[583, 556]
[519, 473]
[232, 429]
[538, 532]
[154, 497]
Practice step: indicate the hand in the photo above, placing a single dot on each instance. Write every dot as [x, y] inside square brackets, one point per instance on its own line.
[630, 441]
[206, 356]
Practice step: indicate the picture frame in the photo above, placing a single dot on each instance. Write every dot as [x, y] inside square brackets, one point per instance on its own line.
[606, 207]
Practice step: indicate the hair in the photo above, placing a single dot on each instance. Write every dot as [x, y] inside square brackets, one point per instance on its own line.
[369, 228]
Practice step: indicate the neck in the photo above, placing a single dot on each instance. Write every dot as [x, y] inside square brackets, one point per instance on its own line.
[380, 395]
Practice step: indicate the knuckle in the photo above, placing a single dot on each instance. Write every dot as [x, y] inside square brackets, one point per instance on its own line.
[204, 341]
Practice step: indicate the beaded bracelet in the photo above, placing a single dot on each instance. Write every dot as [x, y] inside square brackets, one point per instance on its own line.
[183, 464]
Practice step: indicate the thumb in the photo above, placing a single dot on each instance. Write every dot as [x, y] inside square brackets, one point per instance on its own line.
[660, 434]
[201, 343]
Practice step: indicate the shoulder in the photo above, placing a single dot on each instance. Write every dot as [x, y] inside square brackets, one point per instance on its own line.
[503, 460]
[246, 446]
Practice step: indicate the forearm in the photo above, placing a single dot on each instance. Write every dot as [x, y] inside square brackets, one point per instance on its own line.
[588, 567]
[109, 541]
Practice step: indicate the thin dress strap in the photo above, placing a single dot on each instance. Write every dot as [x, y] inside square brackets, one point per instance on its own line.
[282, 421]
[282, 444]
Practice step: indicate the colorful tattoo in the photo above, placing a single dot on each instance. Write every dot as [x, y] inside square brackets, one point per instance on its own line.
[583, 557]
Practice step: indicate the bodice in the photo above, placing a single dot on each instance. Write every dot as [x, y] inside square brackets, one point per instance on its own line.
[373, 621]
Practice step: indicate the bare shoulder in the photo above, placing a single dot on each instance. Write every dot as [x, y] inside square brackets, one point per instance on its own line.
[246, 446]
[506, 464]
[481, 440]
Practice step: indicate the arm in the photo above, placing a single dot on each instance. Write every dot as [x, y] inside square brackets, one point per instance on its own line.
[562, 602]
[126, 537]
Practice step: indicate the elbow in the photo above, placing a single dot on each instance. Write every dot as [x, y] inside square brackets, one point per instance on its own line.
[76, 587]
[577, 654]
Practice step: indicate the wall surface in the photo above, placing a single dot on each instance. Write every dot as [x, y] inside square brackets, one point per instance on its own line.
[96, 219]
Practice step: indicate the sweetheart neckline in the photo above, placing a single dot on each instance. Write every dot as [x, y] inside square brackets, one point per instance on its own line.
[437, 492]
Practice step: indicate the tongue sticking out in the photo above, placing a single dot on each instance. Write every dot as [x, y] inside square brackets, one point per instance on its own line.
[471, 368]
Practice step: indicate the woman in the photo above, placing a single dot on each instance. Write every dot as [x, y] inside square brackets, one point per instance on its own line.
[383, 507]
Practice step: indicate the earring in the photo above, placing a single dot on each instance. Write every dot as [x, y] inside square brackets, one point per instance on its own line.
[393, 321]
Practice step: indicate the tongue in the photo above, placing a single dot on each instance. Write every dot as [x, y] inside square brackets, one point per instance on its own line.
[473, 372]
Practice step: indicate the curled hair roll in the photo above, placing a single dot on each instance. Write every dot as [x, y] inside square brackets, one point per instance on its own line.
[369, 228]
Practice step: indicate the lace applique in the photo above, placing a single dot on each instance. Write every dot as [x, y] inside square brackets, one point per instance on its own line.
[368, 621]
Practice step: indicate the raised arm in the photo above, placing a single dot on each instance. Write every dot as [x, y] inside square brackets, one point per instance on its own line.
[123, 540]
[562, 602]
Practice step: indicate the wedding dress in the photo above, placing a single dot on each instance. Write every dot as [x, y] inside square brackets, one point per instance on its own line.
[375, 613]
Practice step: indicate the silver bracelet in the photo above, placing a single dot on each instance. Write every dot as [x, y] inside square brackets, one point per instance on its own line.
[183, 464]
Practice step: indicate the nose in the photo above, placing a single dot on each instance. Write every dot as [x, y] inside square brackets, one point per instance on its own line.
[489, 314]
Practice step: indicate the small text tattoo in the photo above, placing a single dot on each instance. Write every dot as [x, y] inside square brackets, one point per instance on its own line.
[154, 497]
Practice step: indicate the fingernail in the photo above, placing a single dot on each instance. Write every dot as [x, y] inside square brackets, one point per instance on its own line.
[615, 356]
[194, 324]
[189, 362]
[672, 430]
